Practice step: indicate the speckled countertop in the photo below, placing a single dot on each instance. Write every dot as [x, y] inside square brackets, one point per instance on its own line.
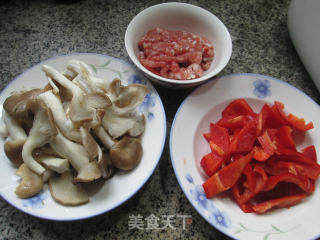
[35, 30]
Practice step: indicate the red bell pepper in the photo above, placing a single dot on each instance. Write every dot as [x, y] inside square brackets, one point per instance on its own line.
[232, 122]
[207, 136]
[267, 142]
[210, 163]
[259, 154]
[243, 140]
[238, 107]
[290, 119]
[292, 155]
[286, 201]
[300, 181]
[226, 177]
[219, 140]
[310, 152]
[261, 179]
[284, 138]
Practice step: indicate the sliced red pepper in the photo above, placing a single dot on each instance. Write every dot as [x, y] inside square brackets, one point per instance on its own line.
[302, 182]
[310, 152]
[292, 120]
[267, 142]
[207, 136]
[287, 201]
[261, 179]
[251, 178]
[243, 140]
[291, 155]
[238, 107]
[268, 118]
[226, 177]
[210, 163]
[219, 142]
[299, 123]
[284, 137]
[231, 122]
[259, 154]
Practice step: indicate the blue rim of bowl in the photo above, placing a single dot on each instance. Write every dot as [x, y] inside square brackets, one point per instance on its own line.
[139, 187]
[173, 126]
[174, 81]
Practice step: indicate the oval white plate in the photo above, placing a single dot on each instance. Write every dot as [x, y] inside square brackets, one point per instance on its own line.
[187, 146]
[120, 187]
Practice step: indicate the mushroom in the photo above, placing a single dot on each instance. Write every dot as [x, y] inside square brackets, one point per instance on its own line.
[64, 191]
[79, 67]
[126, 153]
[118, 125]
[17, 137]
[64, 124]
[78, 157]
[3, 129]
[42, 132]
[58, 165]
[31, 183]
[79, 110]
[13, 151]
[17, 105]
[104, 137]
[122, 116]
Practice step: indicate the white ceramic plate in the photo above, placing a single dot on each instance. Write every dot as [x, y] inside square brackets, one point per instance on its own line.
[120, 187]
[187, 146]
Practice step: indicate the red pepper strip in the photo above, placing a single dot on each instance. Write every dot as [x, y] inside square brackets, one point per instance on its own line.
[238, 107]
[233, 121]
[299, 123]
[311, 172]
[292, 155]
[207, 136]
[266, 142]
[259, 154]
[294, 121]
[219, 140]
[287, 201]
[243, 140]
[300, 181]
[261, 179]
[251, 178]
[310, 152]
[279, 114]
[246, 207]
[210, 163]
[284, 137]
[226, 177]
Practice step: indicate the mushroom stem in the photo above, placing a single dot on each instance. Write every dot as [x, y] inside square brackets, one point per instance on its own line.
[41, 133]
[64, 124]
[78, 157]
[15, 131]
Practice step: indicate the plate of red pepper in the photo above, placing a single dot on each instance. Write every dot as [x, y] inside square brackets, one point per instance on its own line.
[244, 150]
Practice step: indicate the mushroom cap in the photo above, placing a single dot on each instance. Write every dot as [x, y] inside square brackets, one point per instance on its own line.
[31, 183]
[126, 153]
[64, 191]
[13, 150]
[18, 104]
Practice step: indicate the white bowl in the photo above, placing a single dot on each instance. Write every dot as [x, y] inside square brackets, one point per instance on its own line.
[116, 190]
[184, 17]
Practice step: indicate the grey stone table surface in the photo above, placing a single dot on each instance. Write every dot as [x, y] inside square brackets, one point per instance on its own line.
[34, 30]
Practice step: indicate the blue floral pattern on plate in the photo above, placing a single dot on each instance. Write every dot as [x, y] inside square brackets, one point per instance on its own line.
[262, 88]
[36, 201]
[215, 216]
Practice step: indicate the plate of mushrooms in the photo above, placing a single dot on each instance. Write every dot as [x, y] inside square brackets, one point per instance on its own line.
[81, 134]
